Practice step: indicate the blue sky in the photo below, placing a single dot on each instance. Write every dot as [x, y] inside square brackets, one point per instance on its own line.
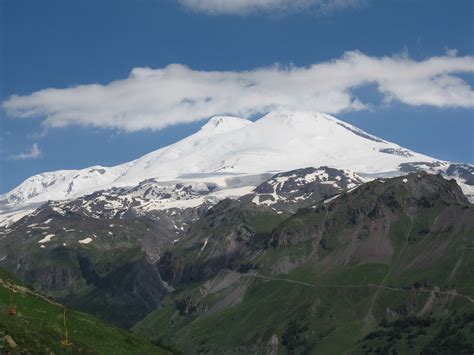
[65, 43]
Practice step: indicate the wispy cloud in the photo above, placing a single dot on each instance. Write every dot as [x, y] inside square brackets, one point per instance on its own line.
[245, 7]
[33, 153]
[451, 52]
[156, 98]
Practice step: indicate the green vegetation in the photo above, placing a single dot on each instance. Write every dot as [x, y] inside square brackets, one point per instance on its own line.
[37, 327]
[453, 334]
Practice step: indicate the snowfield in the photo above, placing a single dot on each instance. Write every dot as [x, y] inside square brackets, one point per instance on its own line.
[235, 155]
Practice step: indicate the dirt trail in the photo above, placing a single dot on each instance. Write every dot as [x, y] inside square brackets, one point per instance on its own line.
[315, 285]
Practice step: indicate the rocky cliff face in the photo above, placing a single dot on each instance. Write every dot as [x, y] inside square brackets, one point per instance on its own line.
[123, 296]
[220, 239]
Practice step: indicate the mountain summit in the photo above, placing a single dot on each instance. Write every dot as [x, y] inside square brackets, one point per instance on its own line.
[221, 124]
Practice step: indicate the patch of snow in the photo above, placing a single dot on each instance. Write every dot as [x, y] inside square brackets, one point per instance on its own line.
[204, 245]
[331, 198]
[46, 239]
[58, 211]
[85, 241]
[7, 219]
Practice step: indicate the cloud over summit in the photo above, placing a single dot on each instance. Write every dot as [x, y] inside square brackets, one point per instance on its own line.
[156, 98]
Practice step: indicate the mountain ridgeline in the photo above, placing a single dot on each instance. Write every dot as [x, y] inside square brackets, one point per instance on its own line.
[323, 239]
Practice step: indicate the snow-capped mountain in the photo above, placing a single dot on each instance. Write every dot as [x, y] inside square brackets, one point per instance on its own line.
[236, 155]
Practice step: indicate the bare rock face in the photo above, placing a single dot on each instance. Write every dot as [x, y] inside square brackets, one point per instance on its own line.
[224, 235]
[53, 277]
[124, 295]
[305, 187]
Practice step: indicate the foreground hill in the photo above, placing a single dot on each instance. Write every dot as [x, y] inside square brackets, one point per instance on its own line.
[37, 327]
[385, 267]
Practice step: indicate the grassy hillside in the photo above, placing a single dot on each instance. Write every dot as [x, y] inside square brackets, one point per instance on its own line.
[37, 327]
[301, 317]
[385, 268]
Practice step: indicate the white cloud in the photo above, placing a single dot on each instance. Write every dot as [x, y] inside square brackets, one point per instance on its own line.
[244, 7]
[33, 153]
[156, 98]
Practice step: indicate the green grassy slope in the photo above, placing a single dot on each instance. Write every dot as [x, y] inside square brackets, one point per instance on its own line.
[328, 319]
[37, 327]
